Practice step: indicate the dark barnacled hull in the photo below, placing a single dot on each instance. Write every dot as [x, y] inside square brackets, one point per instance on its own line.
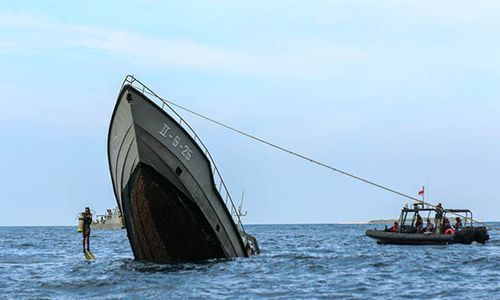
[165, 225]
[164, 185]
[464, 236]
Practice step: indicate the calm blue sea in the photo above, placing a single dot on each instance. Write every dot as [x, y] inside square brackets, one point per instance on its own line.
[297, 262]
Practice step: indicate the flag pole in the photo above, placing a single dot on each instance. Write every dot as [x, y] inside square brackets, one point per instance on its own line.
[423, 196]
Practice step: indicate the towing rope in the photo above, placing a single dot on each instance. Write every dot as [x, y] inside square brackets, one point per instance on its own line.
[321, 164]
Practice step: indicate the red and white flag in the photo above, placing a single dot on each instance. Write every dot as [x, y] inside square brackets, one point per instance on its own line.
[421, 192]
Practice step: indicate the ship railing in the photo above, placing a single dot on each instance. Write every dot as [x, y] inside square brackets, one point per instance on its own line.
[217, 176]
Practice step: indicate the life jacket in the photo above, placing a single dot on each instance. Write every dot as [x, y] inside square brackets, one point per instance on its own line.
[394, 228]
[449, 231]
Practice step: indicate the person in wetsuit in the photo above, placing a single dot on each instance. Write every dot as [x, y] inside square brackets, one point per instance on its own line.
[87, 220]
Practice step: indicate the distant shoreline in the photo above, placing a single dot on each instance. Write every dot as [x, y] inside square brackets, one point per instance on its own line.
[383, 221]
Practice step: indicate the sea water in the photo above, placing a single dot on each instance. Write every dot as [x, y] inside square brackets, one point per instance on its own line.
[297, 262]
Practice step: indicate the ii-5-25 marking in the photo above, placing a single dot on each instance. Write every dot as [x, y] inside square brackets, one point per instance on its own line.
[186, 152]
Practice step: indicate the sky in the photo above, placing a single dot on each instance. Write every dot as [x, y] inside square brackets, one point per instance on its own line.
[404, 93]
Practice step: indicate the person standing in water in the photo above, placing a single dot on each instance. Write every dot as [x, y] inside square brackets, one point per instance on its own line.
[87, 220]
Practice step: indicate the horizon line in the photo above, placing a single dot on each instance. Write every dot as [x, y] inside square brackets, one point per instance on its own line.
[254, 224]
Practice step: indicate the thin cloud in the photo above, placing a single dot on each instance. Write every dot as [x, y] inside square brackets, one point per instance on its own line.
[290, 59]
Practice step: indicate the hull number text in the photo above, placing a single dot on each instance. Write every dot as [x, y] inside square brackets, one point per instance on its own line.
[166, 132]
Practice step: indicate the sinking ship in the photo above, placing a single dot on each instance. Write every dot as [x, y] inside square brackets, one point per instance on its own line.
[174, 202]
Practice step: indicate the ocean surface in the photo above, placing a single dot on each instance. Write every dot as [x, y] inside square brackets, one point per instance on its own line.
[297, 262]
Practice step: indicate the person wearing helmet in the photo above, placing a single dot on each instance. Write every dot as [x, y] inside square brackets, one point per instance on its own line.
[87, 221]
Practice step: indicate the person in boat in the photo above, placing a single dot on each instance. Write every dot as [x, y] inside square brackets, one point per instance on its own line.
[87, 221]
[394, 227]
[419, 223]
[438, 218]
[447, 229]
[458, 223]
[430, 226]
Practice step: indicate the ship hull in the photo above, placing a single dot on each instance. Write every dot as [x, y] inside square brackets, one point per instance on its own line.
[164, 187]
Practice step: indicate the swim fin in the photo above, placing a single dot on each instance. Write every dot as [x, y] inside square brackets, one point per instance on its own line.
[89, 255]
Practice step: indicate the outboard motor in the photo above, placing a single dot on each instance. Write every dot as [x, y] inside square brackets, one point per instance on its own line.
[465, 235]
[481, 234]
[468, 235]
